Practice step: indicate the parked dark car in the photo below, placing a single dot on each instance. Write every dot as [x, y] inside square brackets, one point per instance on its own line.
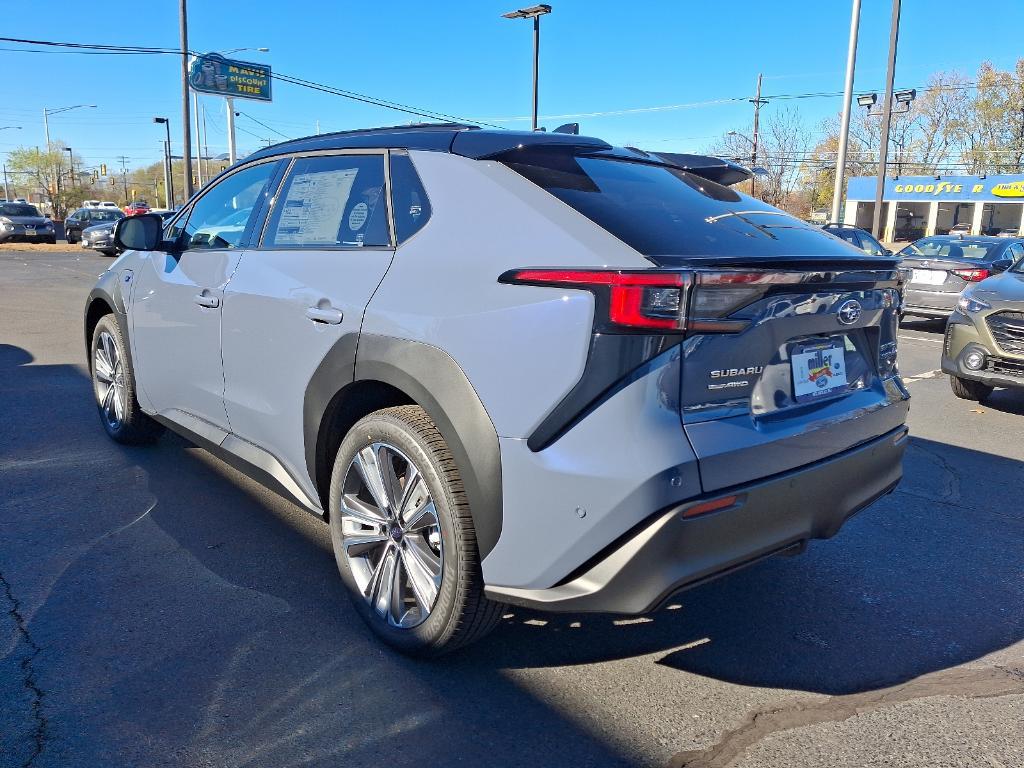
[939, 268]
[21, 222]
[101, 238]
[88, 217]
[858, 237]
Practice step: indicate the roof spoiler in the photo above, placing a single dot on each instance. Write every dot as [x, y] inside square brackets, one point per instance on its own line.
[715, 169]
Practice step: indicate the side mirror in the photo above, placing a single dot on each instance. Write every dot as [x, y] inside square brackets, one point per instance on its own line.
[139, 233]
[1000, 266]
[886, 252]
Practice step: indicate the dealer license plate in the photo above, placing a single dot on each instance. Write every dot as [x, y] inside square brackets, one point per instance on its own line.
[929, 276]
[818, 370]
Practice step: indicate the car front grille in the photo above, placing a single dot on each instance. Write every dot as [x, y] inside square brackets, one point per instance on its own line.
[1004, 367]
[1007, 329]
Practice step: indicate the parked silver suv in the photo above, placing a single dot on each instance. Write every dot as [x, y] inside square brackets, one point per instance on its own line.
[522, 368]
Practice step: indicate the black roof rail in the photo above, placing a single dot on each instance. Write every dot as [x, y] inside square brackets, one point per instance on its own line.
[433, 136]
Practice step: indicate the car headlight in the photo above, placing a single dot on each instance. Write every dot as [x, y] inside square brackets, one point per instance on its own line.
[969, 304]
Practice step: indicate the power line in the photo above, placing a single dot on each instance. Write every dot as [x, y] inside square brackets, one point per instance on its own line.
[285, 78]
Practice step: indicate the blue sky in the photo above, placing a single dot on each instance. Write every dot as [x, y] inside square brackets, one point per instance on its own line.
[465, 60]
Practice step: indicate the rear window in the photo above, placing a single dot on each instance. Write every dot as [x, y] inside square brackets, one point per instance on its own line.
[946, 249]
[663, 211]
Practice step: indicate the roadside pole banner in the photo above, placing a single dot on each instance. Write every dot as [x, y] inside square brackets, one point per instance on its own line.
[220, 76]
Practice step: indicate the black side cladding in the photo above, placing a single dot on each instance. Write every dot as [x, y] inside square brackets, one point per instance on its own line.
[614, 362]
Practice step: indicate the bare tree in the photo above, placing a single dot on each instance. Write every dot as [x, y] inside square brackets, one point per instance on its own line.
[783, 142]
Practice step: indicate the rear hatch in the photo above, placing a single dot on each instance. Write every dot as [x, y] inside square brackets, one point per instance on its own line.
[787, 334]
[786, 367]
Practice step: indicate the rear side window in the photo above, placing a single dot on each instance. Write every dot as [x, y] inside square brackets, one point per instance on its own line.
[408, 197]
[663, 211]
[331, 201]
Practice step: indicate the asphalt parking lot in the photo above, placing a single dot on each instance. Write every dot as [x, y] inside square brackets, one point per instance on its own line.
[159, 609]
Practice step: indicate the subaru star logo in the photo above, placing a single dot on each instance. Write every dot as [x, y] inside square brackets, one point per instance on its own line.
[849, 312]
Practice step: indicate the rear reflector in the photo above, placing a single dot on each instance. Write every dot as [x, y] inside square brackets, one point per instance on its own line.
[711, 506]
[971, 275]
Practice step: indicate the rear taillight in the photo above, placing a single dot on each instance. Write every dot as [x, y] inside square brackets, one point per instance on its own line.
[972, 275]
[649, 300]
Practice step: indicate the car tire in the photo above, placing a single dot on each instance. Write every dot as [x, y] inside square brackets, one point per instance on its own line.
[114, 387]
[966, 389]
[51, 240]
[70, 237]
[411, 564]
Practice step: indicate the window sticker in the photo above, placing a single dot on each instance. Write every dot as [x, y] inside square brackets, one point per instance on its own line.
[358, 216]
[314, 206]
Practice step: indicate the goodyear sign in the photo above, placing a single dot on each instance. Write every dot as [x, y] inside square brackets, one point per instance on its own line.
[996, 188]
[212, 73]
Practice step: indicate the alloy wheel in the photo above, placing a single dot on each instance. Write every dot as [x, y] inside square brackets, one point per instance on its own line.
[108, 376]
[391, 535]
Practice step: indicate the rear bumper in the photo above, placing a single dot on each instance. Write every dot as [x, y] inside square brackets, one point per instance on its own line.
[670, 552]
[929, 303]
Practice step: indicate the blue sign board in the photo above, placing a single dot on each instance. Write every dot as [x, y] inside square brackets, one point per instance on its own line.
[1003, 188]
[212, 73]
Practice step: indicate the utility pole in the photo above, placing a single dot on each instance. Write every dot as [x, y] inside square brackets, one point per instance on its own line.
[124, 177]
[883, 148]
[757, 101]
[186, 120]
[7, 192]
[230, 104]
[844, 127]
[199, 142]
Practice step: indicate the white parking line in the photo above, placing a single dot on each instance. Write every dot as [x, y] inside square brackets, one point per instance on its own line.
[921, 376]
[920, 338]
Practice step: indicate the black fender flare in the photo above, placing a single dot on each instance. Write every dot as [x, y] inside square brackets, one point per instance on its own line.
[111, 288]
[432, 379]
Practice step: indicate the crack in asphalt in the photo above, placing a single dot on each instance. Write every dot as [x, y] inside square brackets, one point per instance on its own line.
[28, 674]
[981, 683]
[952, 489]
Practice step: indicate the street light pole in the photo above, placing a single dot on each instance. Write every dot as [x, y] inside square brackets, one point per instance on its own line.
[533, 12]
[199, 142]
[883, 149]
[230, 104]
[844, 126]
[186, 122]
[168, 176]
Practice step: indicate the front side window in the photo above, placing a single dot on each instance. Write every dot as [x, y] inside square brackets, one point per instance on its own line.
[331, 201]
[220, 217]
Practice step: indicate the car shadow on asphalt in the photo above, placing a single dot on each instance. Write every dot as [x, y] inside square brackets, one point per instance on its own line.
[191, 612]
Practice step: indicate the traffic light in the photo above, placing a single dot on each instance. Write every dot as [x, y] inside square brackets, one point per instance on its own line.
[103, 169]
[95, 177]
[113, 181]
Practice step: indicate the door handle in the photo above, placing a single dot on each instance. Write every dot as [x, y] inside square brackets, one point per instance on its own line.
[204, 299]
[328, 315]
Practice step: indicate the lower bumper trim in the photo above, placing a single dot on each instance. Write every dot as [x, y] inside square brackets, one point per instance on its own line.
[673, 552]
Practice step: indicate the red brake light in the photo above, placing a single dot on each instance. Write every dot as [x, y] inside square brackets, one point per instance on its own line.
[972, 275]
[641, 300]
